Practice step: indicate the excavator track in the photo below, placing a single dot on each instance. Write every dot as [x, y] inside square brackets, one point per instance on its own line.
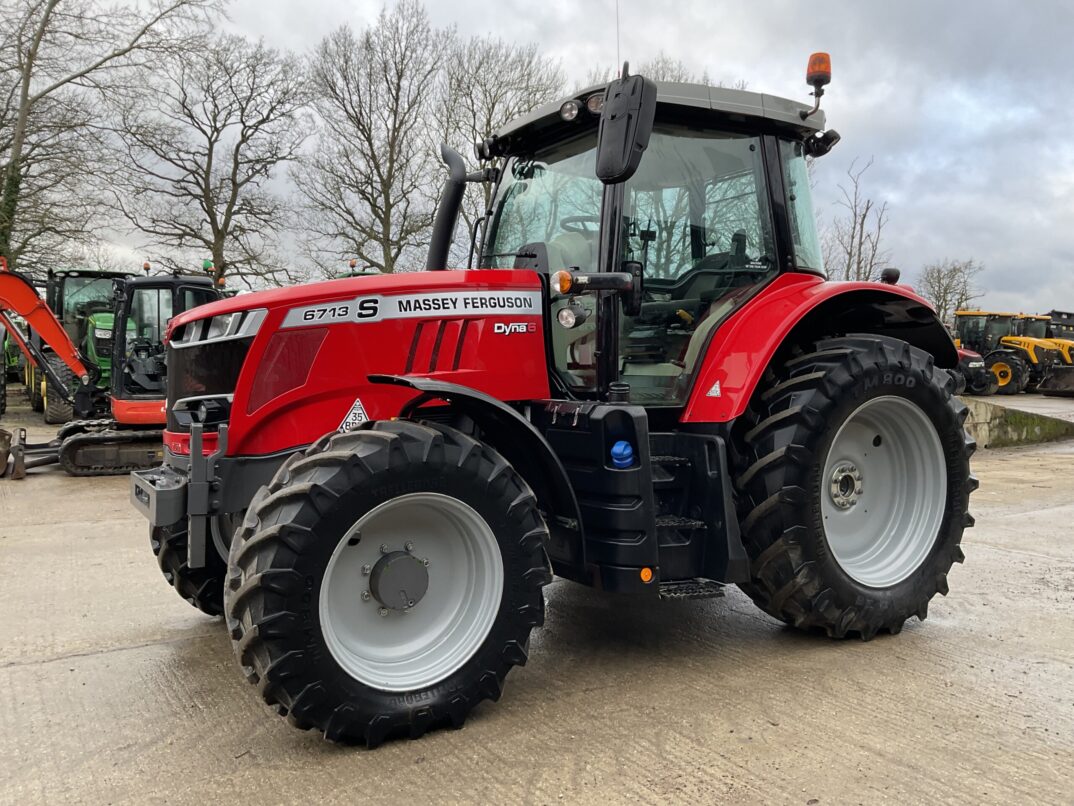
[111, 451]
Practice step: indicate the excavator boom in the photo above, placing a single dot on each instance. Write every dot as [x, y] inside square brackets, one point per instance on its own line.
[18, 296]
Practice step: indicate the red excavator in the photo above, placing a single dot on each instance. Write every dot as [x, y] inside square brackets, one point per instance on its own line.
[118, 425]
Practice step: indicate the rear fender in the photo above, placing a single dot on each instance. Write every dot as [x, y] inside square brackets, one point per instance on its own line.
[511, 434]
[797, 309]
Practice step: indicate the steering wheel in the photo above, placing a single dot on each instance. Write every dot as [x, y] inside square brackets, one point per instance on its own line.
[575, 223]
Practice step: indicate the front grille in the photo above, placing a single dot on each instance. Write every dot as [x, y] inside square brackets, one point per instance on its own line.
[203, 370]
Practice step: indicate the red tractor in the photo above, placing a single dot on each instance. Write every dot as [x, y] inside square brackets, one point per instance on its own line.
[648, 388]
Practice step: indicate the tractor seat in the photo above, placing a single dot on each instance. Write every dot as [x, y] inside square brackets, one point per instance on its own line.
[571, 249]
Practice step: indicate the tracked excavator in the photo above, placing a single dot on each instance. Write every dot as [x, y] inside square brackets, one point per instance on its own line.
[118, 425]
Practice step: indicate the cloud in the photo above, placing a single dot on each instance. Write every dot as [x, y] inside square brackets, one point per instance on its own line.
[963, 106]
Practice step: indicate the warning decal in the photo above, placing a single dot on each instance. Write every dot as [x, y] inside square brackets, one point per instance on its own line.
[354, 417]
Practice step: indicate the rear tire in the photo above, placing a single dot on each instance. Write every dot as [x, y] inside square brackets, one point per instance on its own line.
[818, 561]
[201, 587]
[333, 659]
[58, 410]
[1010, 372]
[3, 393]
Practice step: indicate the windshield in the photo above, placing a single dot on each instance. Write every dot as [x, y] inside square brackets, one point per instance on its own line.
[78, 291]
[1034, 328]
[552, 198]
[997, 327]
[151, 308]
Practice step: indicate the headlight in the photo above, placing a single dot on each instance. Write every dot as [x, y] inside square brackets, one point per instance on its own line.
[572, 316]
[220, 326]
[976, 364]
[101, 333]
[237, 325]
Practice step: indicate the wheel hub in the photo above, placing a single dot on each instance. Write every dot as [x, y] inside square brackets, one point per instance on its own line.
[399, 580]
[846, 485]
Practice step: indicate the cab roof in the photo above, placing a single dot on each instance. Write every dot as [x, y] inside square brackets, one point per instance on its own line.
[738, 103]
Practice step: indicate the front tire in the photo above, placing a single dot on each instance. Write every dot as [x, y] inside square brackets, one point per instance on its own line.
[315, 596]
[1010, 372]
[58, 410]
[857, 424]
[203, 588]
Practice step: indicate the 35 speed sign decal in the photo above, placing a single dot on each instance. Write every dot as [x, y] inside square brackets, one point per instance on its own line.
[407, 306]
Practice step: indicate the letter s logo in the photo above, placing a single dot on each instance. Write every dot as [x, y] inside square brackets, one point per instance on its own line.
[368, 308]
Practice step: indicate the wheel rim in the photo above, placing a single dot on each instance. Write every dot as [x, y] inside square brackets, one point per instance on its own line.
[1002, 372]
[223, 528]
[884, 491]
[401, 648]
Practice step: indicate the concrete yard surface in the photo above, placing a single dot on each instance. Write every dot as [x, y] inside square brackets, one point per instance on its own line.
[113, 690]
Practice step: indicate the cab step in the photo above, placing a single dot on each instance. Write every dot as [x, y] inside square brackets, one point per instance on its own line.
[691, 589]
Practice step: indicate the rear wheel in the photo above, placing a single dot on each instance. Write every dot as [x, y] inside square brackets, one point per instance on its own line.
[1010, 373]
[386, 581]
[58, 410]
[202, 587]
[854, 487]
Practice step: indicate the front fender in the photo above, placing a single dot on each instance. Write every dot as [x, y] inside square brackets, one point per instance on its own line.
[800, 309]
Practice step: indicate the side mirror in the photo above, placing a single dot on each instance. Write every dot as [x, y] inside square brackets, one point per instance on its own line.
[626, 122]
[820, 144]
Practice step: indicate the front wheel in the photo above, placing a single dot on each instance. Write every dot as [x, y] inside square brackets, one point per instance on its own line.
[854, 486]
[1010, 372]
[58, 410]
[202, 587]
[386, 581]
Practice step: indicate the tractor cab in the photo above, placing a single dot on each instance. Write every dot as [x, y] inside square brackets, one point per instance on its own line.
[1030, 326]
[143, 308]
[718, 205]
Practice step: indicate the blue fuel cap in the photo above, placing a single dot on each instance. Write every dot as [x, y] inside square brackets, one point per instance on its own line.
[622, 454]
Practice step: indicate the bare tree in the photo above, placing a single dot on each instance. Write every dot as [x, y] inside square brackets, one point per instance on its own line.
[487, 82]
[853, 244]
[368, 186]
[950, 285]
[662, 67]
[58, 55]
[197, 148]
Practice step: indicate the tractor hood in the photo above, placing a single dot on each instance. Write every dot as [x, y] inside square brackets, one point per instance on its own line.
[302, 356]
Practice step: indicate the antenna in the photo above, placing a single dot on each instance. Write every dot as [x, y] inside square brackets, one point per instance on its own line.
[617, 61]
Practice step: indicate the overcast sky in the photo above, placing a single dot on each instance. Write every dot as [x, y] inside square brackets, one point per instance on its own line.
[964, 106]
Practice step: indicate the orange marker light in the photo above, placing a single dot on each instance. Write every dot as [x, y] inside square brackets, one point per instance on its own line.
[819, 71]
[561, 282]
[646, 575]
